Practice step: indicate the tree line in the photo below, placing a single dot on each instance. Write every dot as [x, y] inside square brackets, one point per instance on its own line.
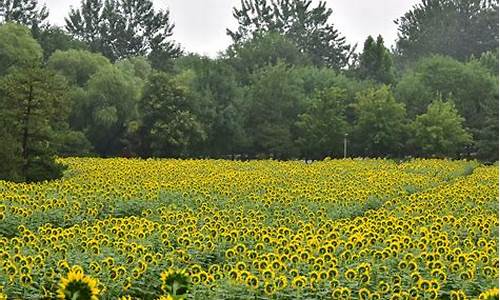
[113, 82]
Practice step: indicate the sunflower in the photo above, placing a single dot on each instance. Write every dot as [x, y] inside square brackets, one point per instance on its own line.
[77, 286]
[281, 282]
[337, 293]
[167, 297]
[457, 295]
[269, 288]
[364, 294]
[383, 287]
[350, 274]
[175, 282]
[490, 294]
[299, 282]
[252, 281]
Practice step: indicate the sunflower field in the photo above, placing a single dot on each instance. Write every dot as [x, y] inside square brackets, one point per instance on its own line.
[217, 229]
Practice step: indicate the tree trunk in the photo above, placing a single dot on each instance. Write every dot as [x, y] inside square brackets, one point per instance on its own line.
[26, 120]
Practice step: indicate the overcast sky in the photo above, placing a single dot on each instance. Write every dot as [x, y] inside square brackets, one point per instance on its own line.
[200, 25]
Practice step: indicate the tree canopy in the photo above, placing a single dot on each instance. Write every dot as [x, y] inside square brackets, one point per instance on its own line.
[439, 131]
[17, 48]
[375, 62]
[25, 12]
[307, 26]
[33, 106]
[380, 123]
[123, 28]
[454, 28]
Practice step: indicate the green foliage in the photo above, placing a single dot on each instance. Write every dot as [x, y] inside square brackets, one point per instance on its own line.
[439, 132]
[72, 143]
[170, 124]
[317, 79]
[455, 28]
[373, 203]
[275, 99]
[375, 62]
[55, 38]
[17, 48]
[33, 106]
[110, 104]
[323, 124]
[10, 160]
[26, 12]
[380, 125]
[486, 141]
[489, 61]
[77, 65]
[306, 26]
[466, 170]
[281, 89]
[472, 88]
[214, 85]
[124, 28]
[263, 50]
[137, 66]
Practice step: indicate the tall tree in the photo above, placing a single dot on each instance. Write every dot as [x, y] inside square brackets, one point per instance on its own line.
[26, 12]
[123, 28]
[439, 132]
[375, 62]
[214, 84]
[54, 38]
[17, 48]
[489, 61]
[263, 50]
[380, 125]
[306, 26]
[323, 124]
[33, 106]
[77, 65]
[456, 28]
[275, 99]
[486, 140]
[170, 124]
[110, 106]
[473, 88]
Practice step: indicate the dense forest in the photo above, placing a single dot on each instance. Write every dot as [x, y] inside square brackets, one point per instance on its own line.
[113, 82]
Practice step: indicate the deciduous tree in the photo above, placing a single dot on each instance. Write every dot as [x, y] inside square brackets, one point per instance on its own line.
[380, 125]
[454, 28]
[26, 12]
[439, 131]
[17, 48]
[123, 28]
[307, 26]
[169, 124]
[323, 124]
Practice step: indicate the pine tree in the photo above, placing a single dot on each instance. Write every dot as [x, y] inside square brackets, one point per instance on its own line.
[375, 62]
[33, 107]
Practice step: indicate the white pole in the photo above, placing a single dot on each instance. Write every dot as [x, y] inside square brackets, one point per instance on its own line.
[345, 146]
